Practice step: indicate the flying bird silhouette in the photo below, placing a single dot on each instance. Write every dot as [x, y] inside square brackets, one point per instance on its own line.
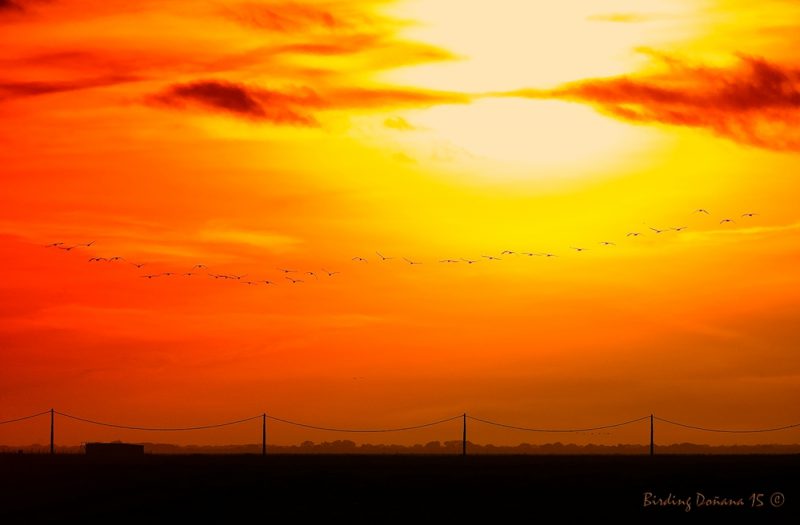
[294, 281]
[267, 282]
[53, 245]
[723, 221]
[168, 274]
[657, 230]
[150, 276]
[448, 261]
[199, 267]
[606, 243]
[680, 228]
[383, 257]
[86, 244]
[633, 234]
[507, 252]
[530, 254]
[702, 210]
[550, 255]
[749, 214]
[491, 257]
[409, 261]
[284, 270]
[468, 261]
[312, 274]
[579, 249]
[330, 273]
[359, 259]
[137, 265]
[98, 259]
[116, 258]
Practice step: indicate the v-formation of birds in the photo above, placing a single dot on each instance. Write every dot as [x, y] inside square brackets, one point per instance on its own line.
[296, 276]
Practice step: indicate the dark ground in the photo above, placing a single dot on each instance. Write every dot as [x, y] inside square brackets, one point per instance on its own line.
[381, 489]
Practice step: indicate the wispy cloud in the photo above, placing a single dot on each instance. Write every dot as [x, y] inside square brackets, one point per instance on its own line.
[262, 239]
[399, 124]
[754, 101]
[10, 90]
[289, 17]
[625, 18]
[736, 233]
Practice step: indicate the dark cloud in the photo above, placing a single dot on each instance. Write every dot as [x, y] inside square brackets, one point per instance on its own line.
[753, 102]
[9, 6]
[242, 101]
[295, 107]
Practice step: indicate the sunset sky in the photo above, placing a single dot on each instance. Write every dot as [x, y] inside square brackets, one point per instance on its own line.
[253, 136]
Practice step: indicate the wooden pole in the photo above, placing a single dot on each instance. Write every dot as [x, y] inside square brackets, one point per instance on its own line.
[264, 434]
[52, 431]
[652, 442]
[464, 437]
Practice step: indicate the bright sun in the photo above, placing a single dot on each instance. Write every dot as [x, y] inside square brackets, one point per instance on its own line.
[529, 133]
[515, 44]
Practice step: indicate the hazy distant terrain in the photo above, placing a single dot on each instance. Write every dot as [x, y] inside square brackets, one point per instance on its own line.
[435, 448]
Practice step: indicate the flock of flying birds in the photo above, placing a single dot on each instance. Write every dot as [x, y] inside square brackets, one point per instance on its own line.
[294, 276]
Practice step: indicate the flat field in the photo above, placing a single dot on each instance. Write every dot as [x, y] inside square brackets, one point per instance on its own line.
[390, 488]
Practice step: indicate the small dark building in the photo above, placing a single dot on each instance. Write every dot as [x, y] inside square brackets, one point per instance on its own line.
[114, 450]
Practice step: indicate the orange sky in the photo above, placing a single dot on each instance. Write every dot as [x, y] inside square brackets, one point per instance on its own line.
[253, 136]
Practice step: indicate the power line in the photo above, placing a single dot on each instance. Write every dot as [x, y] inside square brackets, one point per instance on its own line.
[399, 429]
[362, 430]
[24, 418]
[159, 429]
[704, 429]
[554, 430]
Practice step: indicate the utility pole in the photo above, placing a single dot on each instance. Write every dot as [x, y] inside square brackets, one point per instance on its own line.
[52, 429]
[264, 434]
[464, 437]
[652, 442]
